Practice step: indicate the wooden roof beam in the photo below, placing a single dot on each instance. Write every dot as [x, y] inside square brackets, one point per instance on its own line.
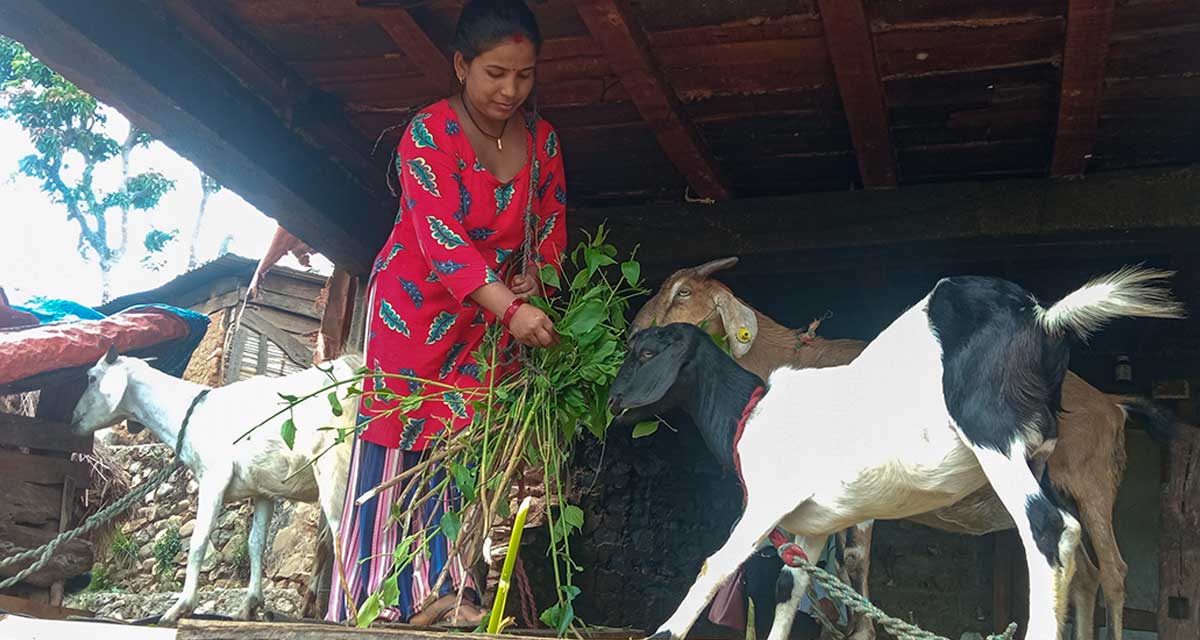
[848, 36]
[137, 62]
[311, 112]
[627, 49]
[1089, 24]
[416, 45]
[1134, 203]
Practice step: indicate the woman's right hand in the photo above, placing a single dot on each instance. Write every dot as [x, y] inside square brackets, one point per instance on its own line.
[532, 327]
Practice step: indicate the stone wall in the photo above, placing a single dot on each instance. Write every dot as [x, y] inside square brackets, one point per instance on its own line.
[205, 365]
[131, 564]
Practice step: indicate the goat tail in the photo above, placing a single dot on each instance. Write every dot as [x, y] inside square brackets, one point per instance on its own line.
[1132, 292]
[1160, 422]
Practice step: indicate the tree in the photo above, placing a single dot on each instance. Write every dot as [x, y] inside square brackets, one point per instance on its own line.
[67, 126]
[208, 187]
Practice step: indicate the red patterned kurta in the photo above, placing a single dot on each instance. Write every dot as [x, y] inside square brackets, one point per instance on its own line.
[456, 230]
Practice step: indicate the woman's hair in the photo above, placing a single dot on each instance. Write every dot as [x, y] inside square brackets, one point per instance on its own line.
[485, 23]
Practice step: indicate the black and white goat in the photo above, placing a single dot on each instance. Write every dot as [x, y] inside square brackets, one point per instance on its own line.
[961, 390]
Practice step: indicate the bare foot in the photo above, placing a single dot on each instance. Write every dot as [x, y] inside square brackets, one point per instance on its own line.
[441, 613]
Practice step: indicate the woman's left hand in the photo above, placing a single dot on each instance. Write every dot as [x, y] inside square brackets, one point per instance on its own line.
[524, 285]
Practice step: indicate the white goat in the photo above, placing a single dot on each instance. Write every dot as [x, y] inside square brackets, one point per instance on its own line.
[260, 466]
[961, 390]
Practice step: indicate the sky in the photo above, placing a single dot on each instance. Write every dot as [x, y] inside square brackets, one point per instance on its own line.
[38, 245]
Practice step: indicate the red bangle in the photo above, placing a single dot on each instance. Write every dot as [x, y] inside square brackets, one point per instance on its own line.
[511, 310]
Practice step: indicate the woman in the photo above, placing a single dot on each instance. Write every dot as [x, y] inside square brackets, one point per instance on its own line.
[467, 166]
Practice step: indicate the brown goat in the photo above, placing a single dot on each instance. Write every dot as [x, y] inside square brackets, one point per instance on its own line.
[1086, 466]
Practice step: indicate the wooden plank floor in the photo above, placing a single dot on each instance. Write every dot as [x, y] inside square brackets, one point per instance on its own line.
[220, 630]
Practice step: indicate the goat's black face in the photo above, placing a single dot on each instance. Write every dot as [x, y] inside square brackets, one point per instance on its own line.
[658, 359]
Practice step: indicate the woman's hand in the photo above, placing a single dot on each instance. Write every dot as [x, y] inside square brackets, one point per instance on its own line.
[524, 285]
[532, 327]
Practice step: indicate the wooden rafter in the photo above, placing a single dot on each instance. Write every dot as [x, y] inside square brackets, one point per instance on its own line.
[417, 47]
[625, 46]
[848, 36]
[1089, 23]
[209, 24]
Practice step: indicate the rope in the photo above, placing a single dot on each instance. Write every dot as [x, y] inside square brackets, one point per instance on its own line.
[46, 551]
[895, 626]
[528, 604]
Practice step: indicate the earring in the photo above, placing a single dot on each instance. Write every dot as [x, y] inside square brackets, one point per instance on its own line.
[462, 80]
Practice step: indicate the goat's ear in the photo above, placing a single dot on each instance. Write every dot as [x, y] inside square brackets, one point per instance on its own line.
[741, 325]
[111, 356]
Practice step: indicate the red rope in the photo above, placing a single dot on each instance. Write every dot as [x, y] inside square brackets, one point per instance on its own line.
[528, 605]
[737, 435]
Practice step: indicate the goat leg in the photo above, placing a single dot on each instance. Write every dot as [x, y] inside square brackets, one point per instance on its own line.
[1048, 534]
[208, 506]
[264, 508]
[790, 589]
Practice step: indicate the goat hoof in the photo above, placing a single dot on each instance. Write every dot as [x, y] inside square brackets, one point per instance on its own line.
[665, 634]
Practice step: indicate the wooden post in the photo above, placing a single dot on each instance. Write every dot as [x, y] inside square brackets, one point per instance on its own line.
[1179, 547]
[338, 316]
[64, 522]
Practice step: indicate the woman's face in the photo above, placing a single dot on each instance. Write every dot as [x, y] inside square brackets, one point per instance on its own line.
[499, 79]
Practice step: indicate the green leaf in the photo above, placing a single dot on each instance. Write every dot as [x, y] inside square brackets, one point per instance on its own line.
[289, 398]
[573, 515]
[390, 592]
[632, 271]
[549, 275]
[643, 429]
[503, 510]
[369, 611]
[464, 478]
[584, 318]
[580, 280]
[595, 259]
[288, 433]
[334, 404]
[404, 551]
[568, 616]
[451, 525]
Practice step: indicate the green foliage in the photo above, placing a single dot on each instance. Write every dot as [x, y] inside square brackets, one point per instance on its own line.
[67, 129]
[241, 558]
[123, 550]
[101, 581]
[529, 421]
[165, 549]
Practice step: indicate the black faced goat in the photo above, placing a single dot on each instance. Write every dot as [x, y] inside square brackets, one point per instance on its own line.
[962, 389]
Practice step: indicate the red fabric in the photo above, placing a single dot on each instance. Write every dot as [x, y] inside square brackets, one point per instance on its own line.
[34, 350]
[456, 230]
[10, 317]
[755, 396]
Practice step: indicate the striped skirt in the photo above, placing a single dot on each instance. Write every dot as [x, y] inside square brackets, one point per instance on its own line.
[369, 535]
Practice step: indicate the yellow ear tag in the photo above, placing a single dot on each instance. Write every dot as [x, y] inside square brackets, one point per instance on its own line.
[743, 335]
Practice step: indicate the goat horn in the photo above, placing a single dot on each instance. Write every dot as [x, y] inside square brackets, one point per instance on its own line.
[708, 268]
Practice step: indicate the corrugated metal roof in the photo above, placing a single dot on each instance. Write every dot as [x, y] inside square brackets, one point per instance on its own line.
[224, 266]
